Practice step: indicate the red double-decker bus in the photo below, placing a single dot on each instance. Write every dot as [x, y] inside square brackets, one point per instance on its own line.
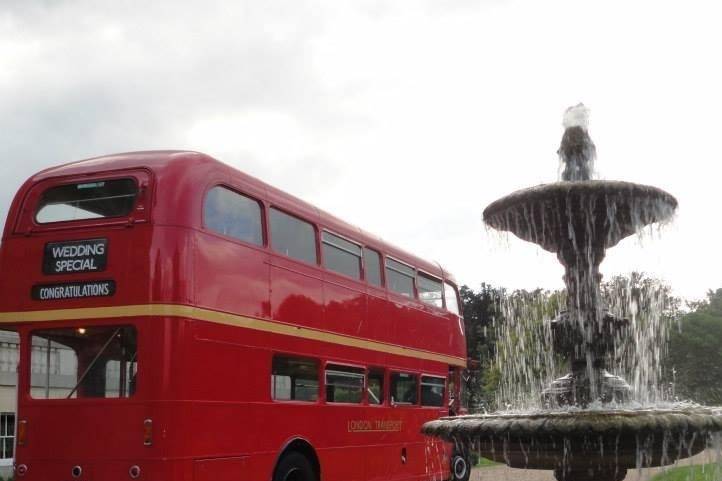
[180, 320]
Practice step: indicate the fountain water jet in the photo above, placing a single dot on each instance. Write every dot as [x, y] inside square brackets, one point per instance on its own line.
[578, 219]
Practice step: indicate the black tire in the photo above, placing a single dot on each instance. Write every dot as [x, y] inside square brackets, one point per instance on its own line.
[294, 466]
[460, 467]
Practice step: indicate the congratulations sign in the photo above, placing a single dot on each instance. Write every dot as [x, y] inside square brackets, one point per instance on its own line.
[72, 290]
[75, 256]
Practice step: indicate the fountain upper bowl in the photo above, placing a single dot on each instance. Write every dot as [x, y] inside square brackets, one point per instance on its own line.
[598, 213]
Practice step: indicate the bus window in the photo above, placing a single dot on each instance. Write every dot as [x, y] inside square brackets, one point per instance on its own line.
[293, 237]
[234, 215]
[429, 290]
[342, 256]
[452, 301]
[294, 379]
[432, 391]
[372, 264]
[344, 384]
[89, 200]
[84, 362]
[375, 387]
[403, 388]
[400, 278]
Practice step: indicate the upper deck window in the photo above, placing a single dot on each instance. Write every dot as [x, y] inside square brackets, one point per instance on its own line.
[430, 290]
[340, 255]
[372, 264]
[293, 237]
[233, 214]
[400, 278]
[87, 200]
[452, 301]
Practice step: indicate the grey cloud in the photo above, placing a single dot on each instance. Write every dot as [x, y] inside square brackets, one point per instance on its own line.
[91, 80]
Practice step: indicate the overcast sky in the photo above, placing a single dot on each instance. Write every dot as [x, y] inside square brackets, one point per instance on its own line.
[404, 117]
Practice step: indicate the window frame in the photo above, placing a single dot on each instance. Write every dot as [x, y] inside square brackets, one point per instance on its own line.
[5, 425]
[140, 213]
[319, 379]
[421, 391]
[362, 375]
[360, 257]
[420, 272]
[381, 264]
[135, 195]
[414, 293]
[459, 306]
[417, 382]
[264, 225]
[313, 225]
[384, 386]
[128, 397]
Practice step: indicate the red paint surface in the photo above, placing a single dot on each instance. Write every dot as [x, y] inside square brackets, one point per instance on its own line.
[206, 386]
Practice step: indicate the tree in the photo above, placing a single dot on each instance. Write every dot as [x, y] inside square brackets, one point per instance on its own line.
[695, 352]
[480, 311]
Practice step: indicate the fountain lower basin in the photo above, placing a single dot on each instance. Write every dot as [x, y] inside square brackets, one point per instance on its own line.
[585, 444]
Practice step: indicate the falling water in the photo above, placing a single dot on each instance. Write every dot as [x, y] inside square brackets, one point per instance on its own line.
[527, 363]
[523, 358]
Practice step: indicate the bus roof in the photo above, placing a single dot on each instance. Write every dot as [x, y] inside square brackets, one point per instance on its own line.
[189, 166]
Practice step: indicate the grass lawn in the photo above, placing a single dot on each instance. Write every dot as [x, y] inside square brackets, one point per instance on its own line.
[709, 472]
[485, 463]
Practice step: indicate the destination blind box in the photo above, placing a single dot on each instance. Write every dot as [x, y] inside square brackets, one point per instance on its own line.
[77, 256]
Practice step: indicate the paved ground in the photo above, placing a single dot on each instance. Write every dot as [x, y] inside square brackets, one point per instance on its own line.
[502, 473]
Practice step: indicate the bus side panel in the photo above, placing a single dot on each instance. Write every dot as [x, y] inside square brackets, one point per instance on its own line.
[345, 306]
[228, 412]
[296, 292]
[221, 469]
[231, 276]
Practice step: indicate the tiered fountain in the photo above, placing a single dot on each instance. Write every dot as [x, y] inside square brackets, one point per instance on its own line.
[588, 429]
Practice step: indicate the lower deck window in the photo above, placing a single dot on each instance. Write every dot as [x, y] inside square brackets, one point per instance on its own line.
[84, 362]
[432, 391]
[375, 387]
[294, 379]
[344, 384]
[403, 388]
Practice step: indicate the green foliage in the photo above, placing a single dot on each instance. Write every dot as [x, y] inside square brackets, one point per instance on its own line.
[709, 472]
[695, 353]
[480, 311]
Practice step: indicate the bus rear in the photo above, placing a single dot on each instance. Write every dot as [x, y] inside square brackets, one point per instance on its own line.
[78, 242]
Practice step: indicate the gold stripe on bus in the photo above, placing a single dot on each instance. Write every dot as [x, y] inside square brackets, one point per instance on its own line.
[176, 310]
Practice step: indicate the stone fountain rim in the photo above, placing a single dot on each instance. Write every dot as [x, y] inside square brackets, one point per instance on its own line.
[572, 423]
[564, 188]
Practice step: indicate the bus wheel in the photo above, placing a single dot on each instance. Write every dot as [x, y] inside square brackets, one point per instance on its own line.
[294, 466]
[460, 468]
